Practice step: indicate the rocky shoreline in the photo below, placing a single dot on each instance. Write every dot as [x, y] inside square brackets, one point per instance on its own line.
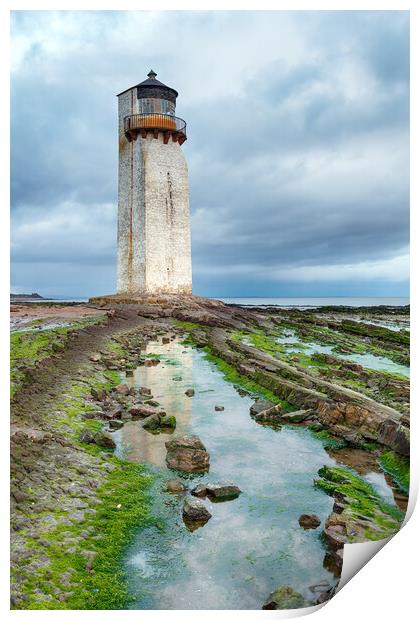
[70, 400]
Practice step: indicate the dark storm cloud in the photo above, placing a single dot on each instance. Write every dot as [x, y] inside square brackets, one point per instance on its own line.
[297, 149]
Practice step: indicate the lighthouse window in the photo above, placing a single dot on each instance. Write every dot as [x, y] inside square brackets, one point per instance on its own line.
[156, 106]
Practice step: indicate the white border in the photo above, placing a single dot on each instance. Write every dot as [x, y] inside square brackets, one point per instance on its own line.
[387, 586]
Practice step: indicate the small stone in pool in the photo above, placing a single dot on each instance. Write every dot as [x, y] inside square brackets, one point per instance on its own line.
[174, 486]
[189, 392]
[219, 408]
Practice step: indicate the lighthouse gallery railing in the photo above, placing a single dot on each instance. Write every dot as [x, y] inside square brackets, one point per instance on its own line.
[159, 122]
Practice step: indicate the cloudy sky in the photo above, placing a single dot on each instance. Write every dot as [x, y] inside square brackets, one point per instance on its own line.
[298, 147]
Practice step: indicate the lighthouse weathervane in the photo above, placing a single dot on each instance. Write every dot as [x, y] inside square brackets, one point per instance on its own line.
[154, 243]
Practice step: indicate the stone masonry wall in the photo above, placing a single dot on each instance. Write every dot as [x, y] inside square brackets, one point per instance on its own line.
[154, 246]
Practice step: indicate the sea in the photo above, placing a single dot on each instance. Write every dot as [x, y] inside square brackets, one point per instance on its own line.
[316, 302]
[284, 302]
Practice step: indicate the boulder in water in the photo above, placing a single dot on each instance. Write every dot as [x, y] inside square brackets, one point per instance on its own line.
[222, 491]
[194, 510]
[187, 453]
[199, 491]
[309, 522]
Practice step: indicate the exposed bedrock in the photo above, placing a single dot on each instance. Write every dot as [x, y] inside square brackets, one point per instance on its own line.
[345, 412]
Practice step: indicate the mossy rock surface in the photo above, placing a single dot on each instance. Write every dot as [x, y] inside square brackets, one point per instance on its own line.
[365, 515]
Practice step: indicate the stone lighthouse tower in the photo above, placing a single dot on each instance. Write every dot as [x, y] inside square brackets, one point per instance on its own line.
[154, 246]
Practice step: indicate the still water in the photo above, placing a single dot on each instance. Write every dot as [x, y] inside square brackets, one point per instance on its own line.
[374, 362]
[252, 544]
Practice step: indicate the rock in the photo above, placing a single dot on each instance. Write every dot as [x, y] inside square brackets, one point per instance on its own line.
[259, 406]
[195, 510]
[141, 411]
[274, 414]
[151, 361]
[296, 416]
[187, 453]
[152, 403]
[86, 436]
[123, 389]
[190, 392]
[219, 408]
[222, 491]
[98, 394]
[104, 440]
[174, 486]
[309, 522]
[323, 586]
[168, 421]
[199, 491]
[166, 340]
[129, 372]
[159, 421]
[113, 413]
[95, 357]
[152, 423]
[285, 598]
[144, 391]
[326, 596]
[116, 424]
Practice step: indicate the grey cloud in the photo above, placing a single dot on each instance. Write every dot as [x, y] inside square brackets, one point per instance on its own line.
[261, 183]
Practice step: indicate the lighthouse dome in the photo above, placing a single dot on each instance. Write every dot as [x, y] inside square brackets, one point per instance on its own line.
[153, 88]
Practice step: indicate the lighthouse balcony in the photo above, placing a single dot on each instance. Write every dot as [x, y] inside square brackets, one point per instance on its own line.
[156, 123]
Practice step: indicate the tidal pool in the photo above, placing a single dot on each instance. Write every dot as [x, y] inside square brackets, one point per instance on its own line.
[252, 544]
[374, 362]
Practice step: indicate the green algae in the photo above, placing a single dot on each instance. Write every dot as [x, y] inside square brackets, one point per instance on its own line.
[29, 348]
[363, 507]
[124, 507]
[398, 467]
[252, 387]
[329, 442]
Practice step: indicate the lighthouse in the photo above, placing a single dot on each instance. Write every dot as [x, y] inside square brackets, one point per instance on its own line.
[154, 241]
